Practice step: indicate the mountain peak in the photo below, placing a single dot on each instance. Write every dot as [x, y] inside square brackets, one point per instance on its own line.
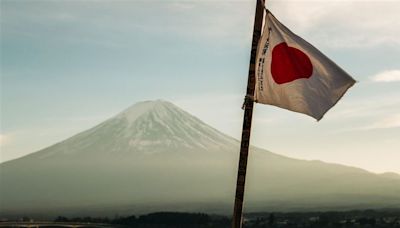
[145, 107]
[156, 156]
[164, 124]
[147, 127]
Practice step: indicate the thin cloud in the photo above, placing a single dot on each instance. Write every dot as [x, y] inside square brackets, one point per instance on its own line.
[333, 24]
[392, 121]
[117, 24]
[387, 76]
[342, 24]
[2, 139]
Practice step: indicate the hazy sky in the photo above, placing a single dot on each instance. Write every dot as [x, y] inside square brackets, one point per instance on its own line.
[68, 65]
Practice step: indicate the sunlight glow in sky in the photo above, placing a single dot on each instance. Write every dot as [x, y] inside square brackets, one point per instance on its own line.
[68, 65]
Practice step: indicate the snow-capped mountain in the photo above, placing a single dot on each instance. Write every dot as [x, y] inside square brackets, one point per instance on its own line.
[155, 156]
[148, 127]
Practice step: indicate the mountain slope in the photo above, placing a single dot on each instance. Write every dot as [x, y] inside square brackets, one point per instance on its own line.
[155, 156]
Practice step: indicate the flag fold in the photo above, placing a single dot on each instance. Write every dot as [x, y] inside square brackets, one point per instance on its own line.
[294, 75]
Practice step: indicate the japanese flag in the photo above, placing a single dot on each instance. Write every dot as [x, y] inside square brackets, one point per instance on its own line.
[292, 74]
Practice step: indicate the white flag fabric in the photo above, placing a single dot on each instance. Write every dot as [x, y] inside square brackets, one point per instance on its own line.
[294, 75]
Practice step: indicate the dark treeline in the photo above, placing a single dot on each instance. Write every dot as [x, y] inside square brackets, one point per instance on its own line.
[342, 219]
[159, 219]
[345, 219]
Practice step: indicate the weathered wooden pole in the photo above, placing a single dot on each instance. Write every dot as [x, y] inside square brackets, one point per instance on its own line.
[248, 114]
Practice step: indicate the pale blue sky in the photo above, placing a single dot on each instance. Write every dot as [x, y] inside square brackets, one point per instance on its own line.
[68, 65]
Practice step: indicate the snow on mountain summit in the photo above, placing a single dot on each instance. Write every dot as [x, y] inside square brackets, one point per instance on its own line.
[148, 127]
[140, 108]
[161, 123]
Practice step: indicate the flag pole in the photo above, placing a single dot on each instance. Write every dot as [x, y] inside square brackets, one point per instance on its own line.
[248, 114]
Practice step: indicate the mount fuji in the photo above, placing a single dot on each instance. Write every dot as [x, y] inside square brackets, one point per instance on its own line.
[154, 156]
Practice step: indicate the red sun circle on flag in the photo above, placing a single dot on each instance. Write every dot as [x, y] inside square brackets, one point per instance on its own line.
[289, 64]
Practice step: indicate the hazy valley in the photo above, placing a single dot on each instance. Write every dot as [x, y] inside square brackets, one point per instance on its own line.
[156, 157]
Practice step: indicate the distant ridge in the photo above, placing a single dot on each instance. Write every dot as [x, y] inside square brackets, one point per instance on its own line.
[391, 175]
[154, 156]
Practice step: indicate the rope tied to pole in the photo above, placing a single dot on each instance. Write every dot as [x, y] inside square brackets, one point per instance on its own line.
[247, 99]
